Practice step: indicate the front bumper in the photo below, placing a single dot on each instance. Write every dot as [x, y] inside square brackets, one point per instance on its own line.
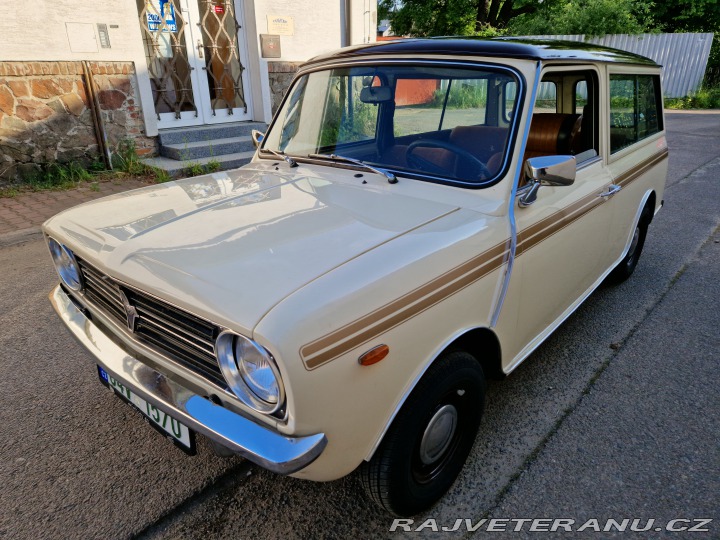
[270, 450]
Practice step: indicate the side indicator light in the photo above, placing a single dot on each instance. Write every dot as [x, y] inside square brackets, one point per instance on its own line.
[374, 355]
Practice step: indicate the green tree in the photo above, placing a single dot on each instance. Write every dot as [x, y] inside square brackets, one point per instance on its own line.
[687, 15]
[452, 17]
[589, 17]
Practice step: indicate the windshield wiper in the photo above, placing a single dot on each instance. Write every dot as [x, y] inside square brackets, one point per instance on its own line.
[281, 155]
[391, 178]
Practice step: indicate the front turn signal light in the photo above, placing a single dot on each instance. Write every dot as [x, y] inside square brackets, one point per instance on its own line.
[373, 356]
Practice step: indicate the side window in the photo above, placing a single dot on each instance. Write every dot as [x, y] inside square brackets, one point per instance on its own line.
[466, 103]
[347, 119]
[580, 96]
[509, 100]
[649, 103]
[565, 116]
[418, 105]
[426, 105]
[546, 101]
[634, 109]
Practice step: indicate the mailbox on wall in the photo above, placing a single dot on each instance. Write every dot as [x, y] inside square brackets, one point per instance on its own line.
[270, 46]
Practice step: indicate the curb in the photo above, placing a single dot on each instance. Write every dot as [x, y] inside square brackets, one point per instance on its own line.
[20, 237]
[692, 111]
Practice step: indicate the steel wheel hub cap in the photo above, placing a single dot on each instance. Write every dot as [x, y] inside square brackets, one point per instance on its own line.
[438, 434]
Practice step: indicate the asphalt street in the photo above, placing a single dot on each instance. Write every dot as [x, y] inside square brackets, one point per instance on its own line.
[615, 416]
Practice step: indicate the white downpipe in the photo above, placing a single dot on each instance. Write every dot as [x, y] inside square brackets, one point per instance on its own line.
[346, 22]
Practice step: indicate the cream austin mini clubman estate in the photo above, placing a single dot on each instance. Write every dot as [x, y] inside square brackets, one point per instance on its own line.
[420, 216]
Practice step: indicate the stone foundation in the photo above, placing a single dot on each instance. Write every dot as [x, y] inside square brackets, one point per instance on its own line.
[45, 116]
[281, 75]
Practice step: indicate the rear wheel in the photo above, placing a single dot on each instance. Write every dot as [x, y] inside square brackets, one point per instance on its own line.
[428, 442]
[626, 267]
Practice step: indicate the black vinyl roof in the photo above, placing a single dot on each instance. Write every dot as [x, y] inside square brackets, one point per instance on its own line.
[531, 49]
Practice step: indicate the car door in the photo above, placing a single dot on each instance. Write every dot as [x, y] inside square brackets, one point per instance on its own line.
[562, 238]
[562, 249]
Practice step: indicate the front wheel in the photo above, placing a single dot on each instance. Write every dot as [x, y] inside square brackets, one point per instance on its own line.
[429, 440]
[627, 265]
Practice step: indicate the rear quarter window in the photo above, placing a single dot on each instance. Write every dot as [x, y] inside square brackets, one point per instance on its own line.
[635, 109]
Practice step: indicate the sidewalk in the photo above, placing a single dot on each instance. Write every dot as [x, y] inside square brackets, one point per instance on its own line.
[22, 215]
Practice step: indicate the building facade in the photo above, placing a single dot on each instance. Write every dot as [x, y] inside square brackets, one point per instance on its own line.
[91, 75]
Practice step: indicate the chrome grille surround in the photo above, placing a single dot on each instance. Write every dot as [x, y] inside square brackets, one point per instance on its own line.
[173, 332]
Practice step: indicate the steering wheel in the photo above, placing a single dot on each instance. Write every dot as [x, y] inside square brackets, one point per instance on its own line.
[467, 164]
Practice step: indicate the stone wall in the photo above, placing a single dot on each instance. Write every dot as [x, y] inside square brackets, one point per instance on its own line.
[45, 116]
[281, 75]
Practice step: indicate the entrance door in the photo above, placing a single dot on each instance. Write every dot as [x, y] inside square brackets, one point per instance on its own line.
[195, 51]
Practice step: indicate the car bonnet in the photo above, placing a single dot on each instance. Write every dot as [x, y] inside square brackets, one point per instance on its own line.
[231, 245]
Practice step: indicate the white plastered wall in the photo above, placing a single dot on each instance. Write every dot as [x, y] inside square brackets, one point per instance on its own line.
[318, 28]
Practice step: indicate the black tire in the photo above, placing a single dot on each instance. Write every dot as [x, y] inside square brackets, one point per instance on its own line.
[397, 478]
[626, 267]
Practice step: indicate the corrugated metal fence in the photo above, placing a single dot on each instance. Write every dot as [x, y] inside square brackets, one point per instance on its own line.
[683, 56]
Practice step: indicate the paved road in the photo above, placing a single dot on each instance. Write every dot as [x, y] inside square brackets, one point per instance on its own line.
[616, 416]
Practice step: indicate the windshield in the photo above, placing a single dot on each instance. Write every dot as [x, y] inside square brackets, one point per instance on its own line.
[447, 124]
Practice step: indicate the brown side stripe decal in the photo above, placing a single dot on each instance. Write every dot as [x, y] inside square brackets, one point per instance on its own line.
[366, 328]
[641, 168]
[529, 237]
[548, 226]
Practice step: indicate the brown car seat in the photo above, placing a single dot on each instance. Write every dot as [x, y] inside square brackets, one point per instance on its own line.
[552, 134]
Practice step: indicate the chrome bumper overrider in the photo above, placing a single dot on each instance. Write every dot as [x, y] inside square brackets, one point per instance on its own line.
[270, 450]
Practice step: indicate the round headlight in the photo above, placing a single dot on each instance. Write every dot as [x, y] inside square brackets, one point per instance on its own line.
[250, 372]
[256, 370]
[66, 265]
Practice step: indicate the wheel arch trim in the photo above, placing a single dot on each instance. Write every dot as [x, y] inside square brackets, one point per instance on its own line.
[650, 193]
[490, 366]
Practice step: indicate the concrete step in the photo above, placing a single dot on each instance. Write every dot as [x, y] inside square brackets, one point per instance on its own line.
[208, 133]
[211, 148]
[181, 169]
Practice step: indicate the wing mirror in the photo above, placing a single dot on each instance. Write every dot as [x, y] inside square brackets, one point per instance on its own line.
[547, 171]
[257, 137]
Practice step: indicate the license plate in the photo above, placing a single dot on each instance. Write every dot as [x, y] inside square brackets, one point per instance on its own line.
[172, 428]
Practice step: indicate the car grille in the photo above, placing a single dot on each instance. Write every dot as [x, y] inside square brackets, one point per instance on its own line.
[185, 338]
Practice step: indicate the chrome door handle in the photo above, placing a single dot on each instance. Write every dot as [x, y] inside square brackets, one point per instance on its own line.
[200, 48]
[612, 190]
